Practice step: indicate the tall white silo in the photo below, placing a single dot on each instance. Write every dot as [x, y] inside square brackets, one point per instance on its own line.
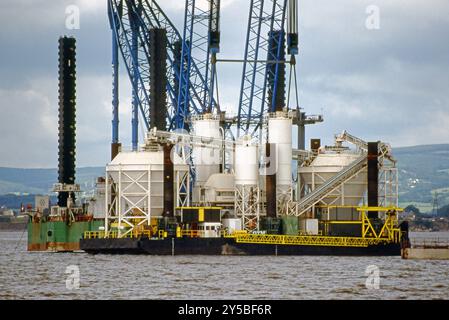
[280, 134]
[206, 159]
[247, 193]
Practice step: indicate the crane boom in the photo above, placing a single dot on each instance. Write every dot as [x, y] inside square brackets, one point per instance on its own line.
[265, 18]
[131, 23]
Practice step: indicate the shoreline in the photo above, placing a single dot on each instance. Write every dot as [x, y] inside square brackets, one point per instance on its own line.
[13, 226]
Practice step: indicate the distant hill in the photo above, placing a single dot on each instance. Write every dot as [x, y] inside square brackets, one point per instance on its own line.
[40, 181]
[422, 171]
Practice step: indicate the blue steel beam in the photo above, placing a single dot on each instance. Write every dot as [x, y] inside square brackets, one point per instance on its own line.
[113, 21]
[277, 24]
[264, 16]
[136, 64]
[143, 15]
[134, 23]
[201, 55]
[195, 69]
[155, 17]
[251, 69]
[213, 47]
[185, 66]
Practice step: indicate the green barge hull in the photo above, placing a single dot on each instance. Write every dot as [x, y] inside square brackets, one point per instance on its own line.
[58, 236]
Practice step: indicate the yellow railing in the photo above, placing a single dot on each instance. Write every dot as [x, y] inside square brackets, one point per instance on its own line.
[192, 233]
[115, 234]
[98, 235]
[308, 240]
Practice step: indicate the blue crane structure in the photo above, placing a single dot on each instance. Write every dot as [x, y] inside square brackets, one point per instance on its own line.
[264, 41]
[197, 47]
[263, 81]
[190, 71]
[187, 86]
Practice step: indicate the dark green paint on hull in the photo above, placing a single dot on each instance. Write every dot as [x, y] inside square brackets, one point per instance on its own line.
[58, 235]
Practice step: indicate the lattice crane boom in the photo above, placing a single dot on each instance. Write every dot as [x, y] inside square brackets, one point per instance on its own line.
[131, 22]
[265, 35]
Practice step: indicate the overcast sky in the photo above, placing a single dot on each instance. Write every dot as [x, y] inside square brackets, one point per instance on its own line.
[388, 84]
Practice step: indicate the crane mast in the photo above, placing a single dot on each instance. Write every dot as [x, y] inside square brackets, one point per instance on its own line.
[187, 87]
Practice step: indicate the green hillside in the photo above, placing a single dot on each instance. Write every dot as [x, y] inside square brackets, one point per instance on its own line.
[423, 170]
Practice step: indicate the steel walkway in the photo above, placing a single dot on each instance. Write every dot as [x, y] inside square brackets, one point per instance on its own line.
[308, 240]
[311, 199]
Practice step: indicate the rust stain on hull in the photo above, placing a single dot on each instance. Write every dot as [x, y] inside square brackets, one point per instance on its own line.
[55, 246]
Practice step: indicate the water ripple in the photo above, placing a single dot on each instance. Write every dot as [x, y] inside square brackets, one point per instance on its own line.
[25, 275]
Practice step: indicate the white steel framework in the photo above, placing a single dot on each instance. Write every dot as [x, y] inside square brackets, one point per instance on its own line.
[247, 206]
[388, 186]
[134, 195]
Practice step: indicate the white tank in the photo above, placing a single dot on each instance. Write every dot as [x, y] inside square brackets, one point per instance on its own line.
[207, 160]
[140, 179]
[246, 164]
[327, 165]
[280, 133]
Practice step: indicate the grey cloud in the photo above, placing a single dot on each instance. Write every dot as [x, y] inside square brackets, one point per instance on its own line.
[389, 84]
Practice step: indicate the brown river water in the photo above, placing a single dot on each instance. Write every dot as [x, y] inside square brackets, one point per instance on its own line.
[25, 275]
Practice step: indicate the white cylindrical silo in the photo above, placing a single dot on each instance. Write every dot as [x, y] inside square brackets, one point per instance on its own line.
[280, 133]
[246, 164]
[207, 160]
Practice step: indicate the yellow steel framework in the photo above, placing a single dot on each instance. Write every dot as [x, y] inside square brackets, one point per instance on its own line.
[389, 230]
[389, 233]
[308, 240]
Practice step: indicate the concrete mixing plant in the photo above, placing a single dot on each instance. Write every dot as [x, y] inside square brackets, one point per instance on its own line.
[203, 181]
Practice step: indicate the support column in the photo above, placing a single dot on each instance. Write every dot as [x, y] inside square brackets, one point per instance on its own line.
[169, 201]
[270, 180]
[67, 117]
[135, 97]
[115, 145]
[373, 178]
[276, 75]
[158, 78]
[301, 131]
